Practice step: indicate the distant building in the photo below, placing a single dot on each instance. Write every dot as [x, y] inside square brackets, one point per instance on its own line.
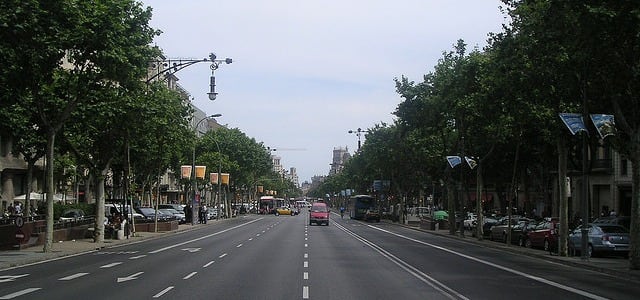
[340, 157]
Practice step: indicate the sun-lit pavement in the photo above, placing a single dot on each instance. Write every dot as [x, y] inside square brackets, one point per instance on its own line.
[13, 258]
[617, 266]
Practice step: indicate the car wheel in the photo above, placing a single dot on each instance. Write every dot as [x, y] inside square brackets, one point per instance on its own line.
[527, 243]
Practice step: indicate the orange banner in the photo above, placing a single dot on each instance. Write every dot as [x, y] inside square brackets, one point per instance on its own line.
[225, 178]
[213, 177]
[186, 171]
[200, 170]
[260, 189]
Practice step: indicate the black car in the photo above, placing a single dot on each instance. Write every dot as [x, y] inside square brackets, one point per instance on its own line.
[149, 213]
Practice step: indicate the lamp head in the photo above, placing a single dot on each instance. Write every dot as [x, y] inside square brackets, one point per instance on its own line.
[212, 96]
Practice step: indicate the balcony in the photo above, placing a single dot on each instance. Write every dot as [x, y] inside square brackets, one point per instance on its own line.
[603, 166]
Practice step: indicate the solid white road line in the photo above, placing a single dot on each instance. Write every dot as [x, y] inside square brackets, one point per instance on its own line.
[536, 278]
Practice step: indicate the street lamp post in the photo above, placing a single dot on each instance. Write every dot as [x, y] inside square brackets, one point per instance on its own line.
[216, 204]
[194, 181]
[358, 133]
[168, 67]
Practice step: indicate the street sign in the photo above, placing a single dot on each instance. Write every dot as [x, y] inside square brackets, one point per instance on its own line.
[19, 221]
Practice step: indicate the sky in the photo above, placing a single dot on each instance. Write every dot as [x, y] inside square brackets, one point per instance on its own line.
[305, 72]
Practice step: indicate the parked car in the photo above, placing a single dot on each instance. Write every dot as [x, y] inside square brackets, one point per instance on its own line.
[499, 231]
[175, 206]
[72, 215]
[603, 239]
[319, 214]
[284, 211]
[149, 213]
[520, 232]
[487, 223]
[617, 220]
[180, 216]
[471, 221]
[544, 235]
[372, 214]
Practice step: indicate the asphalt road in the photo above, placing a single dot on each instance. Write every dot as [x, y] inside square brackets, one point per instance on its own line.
[282, 257]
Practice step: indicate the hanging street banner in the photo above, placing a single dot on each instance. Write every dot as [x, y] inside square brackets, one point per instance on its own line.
[213, 178]
[185, 172]
[454, 160]
[471, 162]
[200, 171]
[574, 122]
[605, 124]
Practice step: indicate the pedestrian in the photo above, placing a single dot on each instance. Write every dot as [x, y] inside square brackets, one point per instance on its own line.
[11, 210]
[205, 214]
[18, 208]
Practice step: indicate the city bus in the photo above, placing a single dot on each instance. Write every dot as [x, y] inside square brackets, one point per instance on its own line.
[268, 204]
[358, 206]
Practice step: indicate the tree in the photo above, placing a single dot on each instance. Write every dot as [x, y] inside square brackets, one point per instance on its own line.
[80, 47]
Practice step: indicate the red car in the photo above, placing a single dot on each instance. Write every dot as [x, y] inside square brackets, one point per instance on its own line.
[544, 235]
[319, 214]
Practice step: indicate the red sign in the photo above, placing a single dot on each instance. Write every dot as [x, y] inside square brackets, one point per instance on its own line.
[19, 235]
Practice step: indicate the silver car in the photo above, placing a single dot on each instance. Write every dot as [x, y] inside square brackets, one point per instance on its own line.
[603, 239]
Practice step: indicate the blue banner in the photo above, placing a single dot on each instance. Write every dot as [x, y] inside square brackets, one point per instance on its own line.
[454, 161]
[574, 122]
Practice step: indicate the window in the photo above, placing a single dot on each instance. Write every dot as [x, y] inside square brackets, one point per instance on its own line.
[624, 167]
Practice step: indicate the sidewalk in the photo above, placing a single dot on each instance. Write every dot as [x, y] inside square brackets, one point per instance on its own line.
[13, 258]
[614, 266]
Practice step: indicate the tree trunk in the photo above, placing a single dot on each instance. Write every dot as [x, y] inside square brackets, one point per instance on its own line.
[562, 196]
[634, 252]
[479, 188]
[98, 233]
[48, 242]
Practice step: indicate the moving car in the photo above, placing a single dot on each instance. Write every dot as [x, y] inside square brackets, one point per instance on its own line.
[284, 211]
[603, 239]
[319, 214]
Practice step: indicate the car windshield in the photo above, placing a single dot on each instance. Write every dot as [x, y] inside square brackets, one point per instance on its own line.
[319, 208]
